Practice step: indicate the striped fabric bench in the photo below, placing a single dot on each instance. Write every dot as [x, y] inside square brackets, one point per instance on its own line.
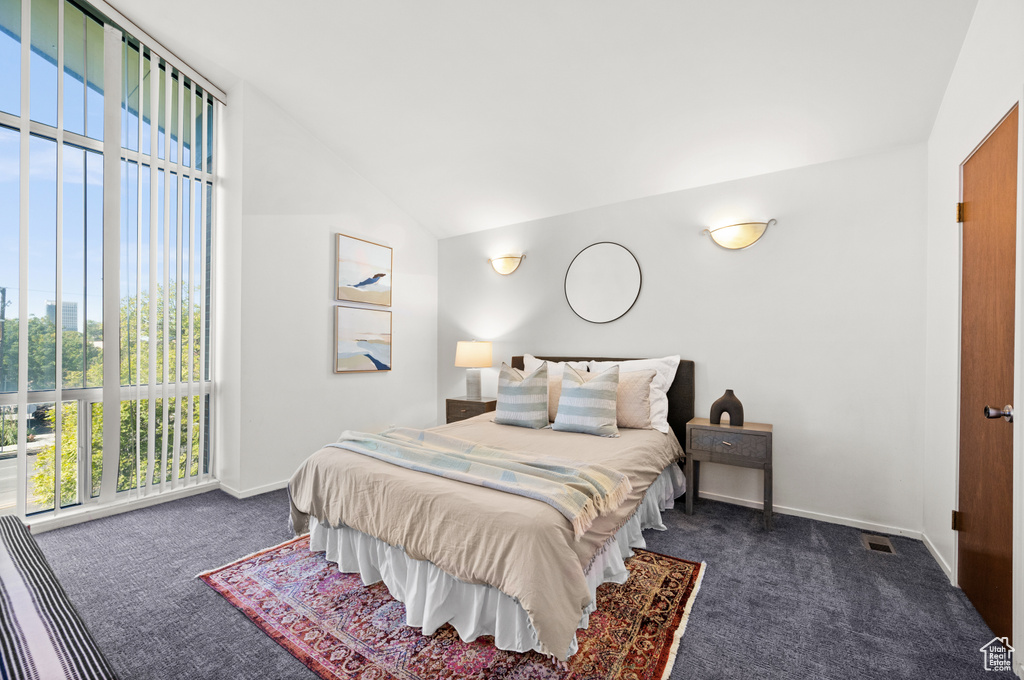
[41, 635]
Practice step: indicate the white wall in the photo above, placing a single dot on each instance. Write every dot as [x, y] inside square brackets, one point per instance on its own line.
[227, 293]
[985, 84]
[819, 328]
[279, 398]
[987, 81]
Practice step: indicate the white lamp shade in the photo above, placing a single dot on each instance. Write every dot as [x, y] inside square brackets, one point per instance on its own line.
[473, 354]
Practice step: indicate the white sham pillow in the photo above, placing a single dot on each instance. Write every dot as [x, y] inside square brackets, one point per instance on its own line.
[666, 368]
[532, 363]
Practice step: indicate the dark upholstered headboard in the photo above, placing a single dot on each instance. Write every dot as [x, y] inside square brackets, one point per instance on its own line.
[680, 394]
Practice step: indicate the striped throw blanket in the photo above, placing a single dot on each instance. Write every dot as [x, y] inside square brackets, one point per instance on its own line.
[581, 492]
[41, 634]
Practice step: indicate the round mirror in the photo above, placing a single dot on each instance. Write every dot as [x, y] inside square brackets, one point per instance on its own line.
[602, 282]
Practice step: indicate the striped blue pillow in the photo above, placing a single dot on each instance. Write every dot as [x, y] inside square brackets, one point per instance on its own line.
[588, 406]
[522, 401]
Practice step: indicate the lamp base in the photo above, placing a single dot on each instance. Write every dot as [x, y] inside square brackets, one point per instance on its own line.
[473, 383]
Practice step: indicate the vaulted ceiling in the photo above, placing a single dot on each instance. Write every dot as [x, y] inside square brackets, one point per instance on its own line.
[472, 114]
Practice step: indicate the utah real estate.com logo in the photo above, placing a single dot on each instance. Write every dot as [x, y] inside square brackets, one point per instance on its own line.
[998, 654]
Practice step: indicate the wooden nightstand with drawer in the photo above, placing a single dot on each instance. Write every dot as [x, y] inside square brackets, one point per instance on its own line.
[748, 445]
[464, 407]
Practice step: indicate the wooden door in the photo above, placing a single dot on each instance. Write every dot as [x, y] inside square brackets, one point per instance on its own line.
[989, 194]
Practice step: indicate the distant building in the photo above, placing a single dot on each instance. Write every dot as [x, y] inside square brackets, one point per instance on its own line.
[68, 314]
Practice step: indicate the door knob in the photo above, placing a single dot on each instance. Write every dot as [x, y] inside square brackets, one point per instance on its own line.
[1006, 413]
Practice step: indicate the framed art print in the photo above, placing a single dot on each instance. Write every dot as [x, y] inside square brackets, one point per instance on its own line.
[363, 271]
[362, 340]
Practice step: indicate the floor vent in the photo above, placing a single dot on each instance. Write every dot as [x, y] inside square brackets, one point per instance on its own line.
[877, 544]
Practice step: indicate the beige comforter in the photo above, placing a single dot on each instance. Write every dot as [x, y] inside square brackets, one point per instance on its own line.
[523, 547]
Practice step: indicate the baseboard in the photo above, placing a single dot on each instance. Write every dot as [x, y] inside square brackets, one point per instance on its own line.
[78, 515]
[938, 558]
[248, 493]
[820, 516]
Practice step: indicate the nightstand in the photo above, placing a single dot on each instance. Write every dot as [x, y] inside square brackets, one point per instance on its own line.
[464, 407]
[748, 445]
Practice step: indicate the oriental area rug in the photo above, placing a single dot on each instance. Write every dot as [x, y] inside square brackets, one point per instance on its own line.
[340, 628]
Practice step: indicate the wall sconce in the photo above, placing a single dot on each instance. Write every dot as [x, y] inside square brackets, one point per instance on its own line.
[473, 355]
[506, 264]
[739, 236]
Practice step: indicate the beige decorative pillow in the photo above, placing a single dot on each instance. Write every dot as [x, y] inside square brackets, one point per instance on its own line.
[633, 398]
[666, 368]
[555, 393]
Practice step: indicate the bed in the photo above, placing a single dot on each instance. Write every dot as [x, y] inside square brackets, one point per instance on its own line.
[488, 562]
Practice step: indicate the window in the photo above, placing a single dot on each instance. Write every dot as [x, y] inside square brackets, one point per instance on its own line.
[83, 335]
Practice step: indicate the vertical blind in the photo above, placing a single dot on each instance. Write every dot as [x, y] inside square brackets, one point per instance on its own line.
[107, 191]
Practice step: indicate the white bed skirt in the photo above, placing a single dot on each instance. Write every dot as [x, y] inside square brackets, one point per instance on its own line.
[433, 598]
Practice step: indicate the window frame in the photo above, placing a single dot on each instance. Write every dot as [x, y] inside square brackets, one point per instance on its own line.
[201, 172]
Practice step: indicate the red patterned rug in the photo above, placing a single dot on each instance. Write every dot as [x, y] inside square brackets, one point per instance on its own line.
[340, 628]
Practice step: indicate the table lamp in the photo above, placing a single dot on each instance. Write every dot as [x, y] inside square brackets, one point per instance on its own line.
[473, 355]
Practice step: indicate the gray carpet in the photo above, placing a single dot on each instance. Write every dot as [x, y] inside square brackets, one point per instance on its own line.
[805, 601]
[808, 601]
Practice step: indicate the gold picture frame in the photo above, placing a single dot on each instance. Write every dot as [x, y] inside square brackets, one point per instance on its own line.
[362, 271]
[362, 340]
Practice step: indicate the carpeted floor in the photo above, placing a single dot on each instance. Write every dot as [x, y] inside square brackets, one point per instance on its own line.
[804, 601]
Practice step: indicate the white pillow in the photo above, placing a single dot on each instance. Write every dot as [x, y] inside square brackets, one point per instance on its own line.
[666, 368]
[532, 363]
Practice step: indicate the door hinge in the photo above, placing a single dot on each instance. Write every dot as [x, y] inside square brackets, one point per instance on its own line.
[959, 212]
[958, 522]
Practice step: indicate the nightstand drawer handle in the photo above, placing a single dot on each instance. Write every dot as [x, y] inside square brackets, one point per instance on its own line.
[462, 410]
[727, 443]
